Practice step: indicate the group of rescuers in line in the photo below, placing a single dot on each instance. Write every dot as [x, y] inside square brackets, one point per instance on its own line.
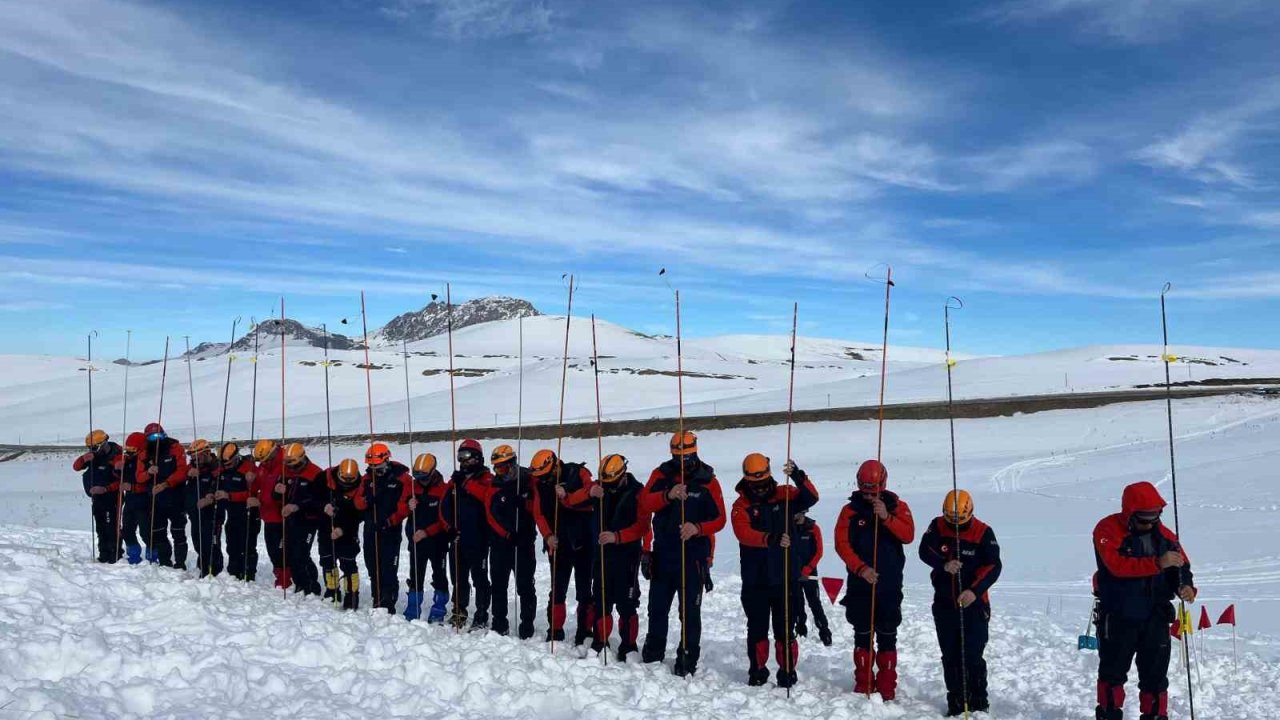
[480, 527]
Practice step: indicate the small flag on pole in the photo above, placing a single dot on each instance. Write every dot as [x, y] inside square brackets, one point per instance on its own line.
[1205, 623]
[1175, 630]
[1228, 616]
[832, 585]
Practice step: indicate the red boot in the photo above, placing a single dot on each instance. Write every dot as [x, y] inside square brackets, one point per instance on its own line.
[283, 579]
[887, 678]
[864, 678]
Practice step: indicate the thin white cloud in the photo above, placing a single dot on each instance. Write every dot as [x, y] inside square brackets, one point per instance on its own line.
[1127, 21]
[30, 305]
[468, 19]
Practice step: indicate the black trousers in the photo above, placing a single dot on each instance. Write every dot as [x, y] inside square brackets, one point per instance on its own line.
[202, 523]
[505, 558]
[135, 517]
[470, 566]
[1120, 639]
[857, 610]
[168, 529]
[106, 524]
[664, 588]
[617, 587]
[273, 536]
[575, 563]
[807, 590]
[300, 533]
[382, 563]
[241, 533]
[963, 660]
[764, 606]
[430, 552]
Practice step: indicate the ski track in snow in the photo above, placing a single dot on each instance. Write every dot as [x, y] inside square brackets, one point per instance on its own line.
[86, 640]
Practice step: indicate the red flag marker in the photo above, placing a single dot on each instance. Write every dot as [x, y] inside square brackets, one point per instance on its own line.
[832, 585]
[1205, 624]
[1228, 616]
[1175, 630]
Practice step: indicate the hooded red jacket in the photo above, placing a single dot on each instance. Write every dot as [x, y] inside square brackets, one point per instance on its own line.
[1129, 580]
[264, 486]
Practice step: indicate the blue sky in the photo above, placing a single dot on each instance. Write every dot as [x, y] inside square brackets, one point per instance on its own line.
[166, 167]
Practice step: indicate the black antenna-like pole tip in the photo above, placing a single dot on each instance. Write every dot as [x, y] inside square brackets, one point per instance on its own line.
[663, 271]
[1167, 287]
[433, 297]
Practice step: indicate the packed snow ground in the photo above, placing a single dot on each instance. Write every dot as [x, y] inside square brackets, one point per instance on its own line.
[43, 399]
[1042, 481]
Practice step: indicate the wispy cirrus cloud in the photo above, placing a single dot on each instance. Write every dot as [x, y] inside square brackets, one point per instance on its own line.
[474, 19]
[1128, 21]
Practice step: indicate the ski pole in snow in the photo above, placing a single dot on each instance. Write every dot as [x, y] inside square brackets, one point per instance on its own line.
[164, 373]
[284, 498]
[875, 548]
[373, 486]
[947, 307]
[555, 522]
[93, 520]
[786, 513]
[684, 590]
[413, 485]
[202, 559]
[328, 437]
[1173, 477]
[604, 606]
[124, 433]
[222, 436]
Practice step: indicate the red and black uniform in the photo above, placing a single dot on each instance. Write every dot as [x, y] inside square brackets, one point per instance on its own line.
[467, 518]
[242, 524]
[135, 512]
[576, 540]
[1135, 607]
[350, 505]
[425, 515]
[760, 519]
[386, 489]
[979, 556]
[619, 512]
[265, 489]
[857, 546]
[100, 475]
[305, 487]
[169, 460]
[806, 539]
[509, 513]
[202, 476]
[704, 508]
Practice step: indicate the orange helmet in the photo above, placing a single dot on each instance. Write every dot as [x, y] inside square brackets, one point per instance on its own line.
[230, 452]
[95, 439]
[502, 454]
[295, 455]
[544, 462]
[872, 476]
[957, 508]
[612, 468]
[424, 463]
[685, 443]
[348, 471]
[198, 447]
[755, 468]
[377, 455]
[263, 449]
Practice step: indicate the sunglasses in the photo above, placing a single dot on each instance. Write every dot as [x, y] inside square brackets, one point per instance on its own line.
[868, 488]
[757, 475]
[1146, 518]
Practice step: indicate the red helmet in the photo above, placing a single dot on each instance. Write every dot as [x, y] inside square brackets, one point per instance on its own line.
[470, 455]
[153, 429]
[470, 444]
[872, 476]
[136, 442]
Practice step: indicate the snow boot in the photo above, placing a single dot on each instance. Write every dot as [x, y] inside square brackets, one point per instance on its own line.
[586, 625]
[458, 619]
[864, 678]
[686, 663]
[600, 638]
[153, 556]
[331, 590]
[134, 553]
[438, 600]
[480, 622]
[1110, 701]
[283, 578]
[413, 609]
[351, 599]
[1153, 706]
[630, 630]
[757, 662]
[955, 706]
[525, 631]
[556, 635]
[786, 675]
[652, 653]
[824, 634]
[179, 566]
[555, 631]
[887, 674]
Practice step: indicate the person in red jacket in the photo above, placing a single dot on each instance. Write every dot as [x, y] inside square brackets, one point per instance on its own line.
[101, 478]
[386, 486]
[135, 503]
[266, 494]
[806, 536]
[1142, 568]
[964, 559]
[346, 509]
[769, 564]
[163, 466]
[234, 482]
[562, 512]
[506, 500]
[303, 507]
[873, 528]
[428, 534]
[464, 511]
[683, 496]
[623, 526]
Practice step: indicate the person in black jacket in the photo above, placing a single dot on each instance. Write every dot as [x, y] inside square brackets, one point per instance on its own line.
[302, 509]
[562, 511]
[623, 527]
[508, 500]
[683, 496]
[871, 533]
[162, 467]
[101, 478]
[135, 513]
[428, 535]
[385, 489]
[1142, 568]
[807, 540]
[347, 506]
[467, 518]
[198, 500]
[232, 490]
[964, 558]
[763, 526]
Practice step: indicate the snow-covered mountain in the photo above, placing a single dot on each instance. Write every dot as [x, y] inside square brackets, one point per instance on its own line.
[267, 334]
[433, 319]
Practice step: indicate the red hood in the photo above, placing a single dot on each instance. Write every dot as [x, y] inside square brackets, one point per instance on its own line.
[1140, 496]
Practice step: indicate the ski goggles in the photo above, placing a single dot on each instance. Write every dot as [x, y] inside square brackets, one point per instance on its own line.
[155, 437]
[465, 456]
[1147, 518]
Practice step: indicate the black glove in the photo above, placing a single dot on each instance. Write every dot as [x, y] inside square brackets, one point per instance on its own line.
[646, 565]
[707, 584]
[774, 538]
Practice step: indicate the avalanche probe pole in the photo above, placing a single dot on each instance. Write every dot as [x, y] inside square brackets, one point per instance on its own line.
[164, 373]
[373, 486]
[284, 498]
[875, 548]
[786, 512]
[253, 429]
[93, 520]
[202, 554]
[955, 496]
[124, 429]
[413, 484]
[604, 606]
[555, 523]
[453, 453]
[519, 442]
[684, 590]
[1173, 479]
[222, 441]
[328, 437]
